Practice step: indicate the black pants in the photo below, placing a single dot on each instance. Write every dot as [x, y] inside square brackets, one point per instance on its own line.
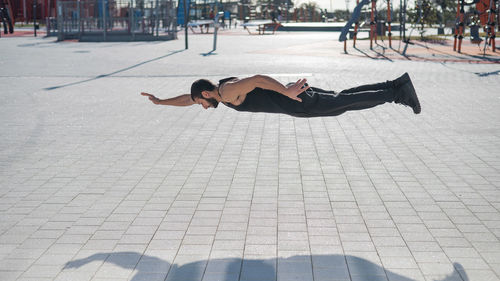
[319, 102]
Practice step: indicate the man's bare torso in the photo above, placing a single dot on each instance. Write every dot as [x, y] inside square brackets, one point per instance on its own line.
[230, 93]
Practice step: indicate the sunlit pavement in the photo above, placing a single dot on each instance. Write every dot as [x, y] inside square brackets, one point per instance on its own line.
[98, 183]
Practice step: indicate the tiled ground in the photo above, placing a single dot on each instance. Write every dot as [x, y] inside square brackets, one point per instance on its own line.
[97, 183]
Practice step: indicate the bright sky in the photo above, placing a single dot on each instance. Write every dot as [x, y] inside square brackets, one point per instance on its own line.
[341, 4]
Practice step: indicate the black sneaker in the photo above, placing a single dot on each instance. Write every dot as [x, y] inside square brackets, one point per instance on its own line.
[405, 93]
[401, 80]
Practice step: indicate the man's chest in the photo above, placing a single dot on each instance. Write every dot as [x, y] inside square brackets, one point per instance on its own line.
[238, 100]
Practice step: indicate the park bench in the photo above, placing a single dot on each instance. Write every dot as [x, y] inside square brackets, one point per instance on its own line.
[262, 26]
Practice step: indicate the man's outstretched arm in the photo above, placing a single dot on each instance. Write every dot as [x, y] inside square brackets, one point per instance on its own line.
[182, 100]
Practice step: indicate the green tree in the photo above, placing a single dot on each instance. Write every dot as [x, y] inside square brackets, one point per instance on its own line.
[448, 10]
[424, 13]
[311, 8]
[342, 15]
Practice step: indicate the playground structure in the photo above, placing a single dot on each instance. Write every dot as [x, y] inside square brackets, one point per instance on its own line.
[26, 10]
[373, 23]
[6, 16]
[106, 20]
[488, 18]
[487, 10]
[247, 10]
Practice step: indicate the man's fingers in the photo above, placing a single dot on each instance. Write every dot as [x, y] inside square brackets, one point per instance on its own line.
[300, 83]
[148, 95]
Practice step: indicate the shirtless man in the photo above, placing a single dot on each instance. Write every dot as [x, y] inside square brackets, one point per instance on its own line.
[262, 93]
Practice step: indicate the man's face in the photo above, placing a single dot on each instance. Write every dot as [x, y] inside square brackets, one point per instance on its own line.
[207, 103]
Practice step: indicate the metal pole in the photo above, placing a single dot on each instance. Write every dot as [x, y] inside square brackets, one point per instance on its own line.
[59, 21]
[372, 24]
[389, 22]
[355, 29]
[185, 24]
[132, 19]
[216, 22]
[79, 20]
[34, 17]
[104, 18]
[404, 20]
[152, 19]
[24, 11]
[490, 29]
[461, 26]
[157, 17]
[400, 18]
[216, 26]
[215, 36]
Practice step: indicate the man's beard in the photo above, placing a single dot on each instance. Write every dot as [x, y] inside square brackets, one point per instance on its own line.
[213, 102]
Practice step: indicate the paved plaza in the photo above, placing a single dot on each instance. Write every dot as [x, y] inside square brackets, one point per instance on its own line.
[98, 183]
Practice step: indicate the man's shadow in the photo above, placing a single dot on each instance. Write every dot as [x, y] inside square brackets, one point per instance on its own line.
[326, 267]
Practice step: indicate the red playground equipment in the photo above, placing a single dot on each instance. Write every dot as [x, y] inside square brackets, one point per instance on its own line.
[373, 23]
[488, 19]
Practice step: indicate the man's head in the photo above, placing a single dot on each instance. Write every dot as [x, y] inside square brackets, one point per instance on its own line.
[202, 92]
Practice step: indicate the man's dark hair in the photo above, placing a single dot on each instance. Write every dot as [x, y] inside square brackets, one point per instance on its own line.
[199, 86]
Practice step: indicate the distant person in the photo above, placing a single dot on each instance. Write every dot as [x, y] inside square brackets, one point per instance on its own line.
[223, 22]
[261, 93]
[273, 14]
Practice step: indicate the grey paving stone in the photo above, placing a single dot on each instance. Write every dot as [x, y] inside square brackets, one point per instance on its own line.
[96, 183]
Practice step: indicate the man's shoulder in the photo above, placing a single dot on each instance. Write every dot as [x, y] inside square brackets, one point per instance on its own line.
[228, 79]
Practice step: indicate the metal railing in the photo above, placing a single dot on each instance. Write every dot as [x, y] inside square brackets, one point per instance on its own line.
[116, 20]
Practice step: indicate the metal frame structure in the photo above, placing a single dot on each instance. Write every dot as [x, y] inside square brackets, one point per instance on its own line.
[6, 16]
[488, 19]
[373, 23]
[116, 20]
[490, 24]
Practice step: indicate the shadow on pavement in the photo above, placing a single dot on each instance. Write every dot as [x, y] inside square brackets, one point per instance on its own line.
[211, 53]
[38, 44]
[378, 57]
[326, 267]
[484, 74]
[113, 73]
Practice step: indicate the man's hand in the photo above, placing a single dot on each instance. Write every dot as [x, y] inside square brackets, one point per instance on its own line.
[182, 100]
[296, 89]
[152, 98]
